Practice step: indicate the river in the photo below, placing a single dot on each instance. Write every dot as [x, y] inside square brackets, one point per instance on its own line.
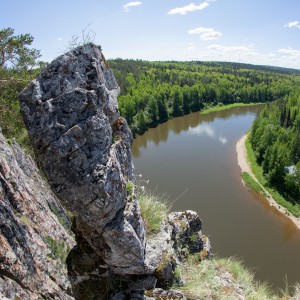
[193, 160]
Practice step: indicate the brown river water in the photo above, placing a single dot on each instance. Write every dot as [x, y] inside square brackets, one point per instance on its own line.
[192, 159]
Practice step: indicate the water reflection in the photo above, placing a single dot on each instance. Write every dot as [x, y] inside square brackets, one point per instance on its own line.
[182, 158]
[209, 131]
[183, 124]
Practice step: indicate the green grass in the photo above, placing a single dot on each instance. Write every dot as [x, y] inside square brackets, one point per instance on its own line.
[252, 184]
[154, 210]
[59, 250]
[220, 278]
[257, 170]
[222, 106]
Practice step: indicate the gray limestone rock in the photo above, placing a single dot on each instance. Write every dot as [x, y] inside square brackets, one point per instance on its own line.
[84, 148]
[180, 236]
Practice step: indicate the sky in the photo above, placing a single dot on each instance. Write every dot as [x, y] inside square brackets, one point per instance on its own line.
[262, 32]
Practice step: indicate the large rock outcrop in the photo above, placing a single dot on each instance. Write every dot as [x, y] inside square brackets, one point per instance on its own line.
[84, 148]
[33, 242]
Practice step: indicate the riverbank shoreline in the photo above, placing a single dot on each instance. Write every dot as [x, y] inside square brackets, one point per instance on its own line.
[245, 167]
[216, 108]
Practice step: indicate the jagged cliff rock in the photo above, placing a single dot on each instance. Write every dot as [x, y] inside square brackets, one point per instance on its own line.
[84, 148]
[33, 243]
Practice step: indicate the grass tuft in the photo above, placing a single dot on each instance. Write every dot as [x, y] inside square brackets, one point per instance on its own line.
[221, 278]
[154, 209]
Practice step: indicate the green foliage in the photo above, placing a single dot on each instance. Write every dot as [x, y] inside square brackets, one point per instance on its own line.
[11, 121]
[59, 250]
[177, 273]
[16, 71]
[129, 188]
[14, 50]
[221, 106]
[282, 199]
[275, 139]
[251, 183]
[154, 210]
[153, 92]
[290, 291]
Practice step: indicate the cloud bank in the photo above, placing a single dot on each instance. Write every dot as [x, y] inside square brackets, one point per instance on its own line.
[188, 8]
[290, 54]
[131, 4]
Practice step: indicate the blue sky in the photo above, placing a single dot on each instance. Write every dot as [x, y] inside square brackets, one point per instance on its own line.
[257, 31]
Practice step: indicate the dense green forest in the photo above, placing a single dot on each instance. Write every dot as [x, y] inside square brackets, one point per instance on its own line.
[275, 138]
[18, 66]
[153, 92]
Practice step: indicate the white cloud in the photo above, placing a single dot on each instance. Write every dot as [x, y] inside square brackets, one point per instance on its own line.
[229, 48]
[206, 34]
[59, 39]
[238, 53]
[131, 4]
[188, 8]
[293, 24]
[290, 51]
[290, 54]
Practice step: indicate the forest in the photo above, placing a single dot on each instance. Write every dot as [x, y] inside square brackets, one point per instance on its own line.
[153, 92]
[18, 66]
[275, 138]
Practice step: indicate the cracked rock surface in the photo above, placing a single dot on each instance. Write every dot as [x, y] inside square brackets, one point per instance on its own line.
[84, 148]
[30, 228]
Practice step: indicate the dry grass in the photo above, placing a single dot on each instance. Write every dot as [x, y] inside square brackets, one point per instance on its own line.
[154, 209]
[221, 279]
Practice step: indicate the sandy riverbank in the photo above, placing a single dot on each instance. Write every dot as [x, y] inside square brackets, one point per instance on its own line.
[245, 167]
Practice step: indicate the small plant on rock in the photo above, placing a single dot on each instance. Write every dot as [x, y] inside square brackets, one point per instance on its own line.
[154, 210]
